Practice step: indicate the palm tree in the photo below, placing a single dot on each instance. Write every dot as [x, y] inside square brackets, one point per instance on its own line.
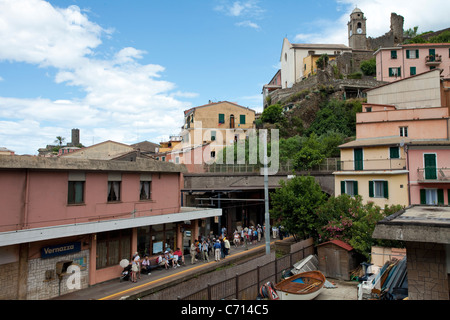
[60, 140]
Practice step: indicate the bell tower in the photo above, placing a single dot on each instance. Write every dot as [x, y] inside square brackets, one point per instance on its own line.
[357, 30]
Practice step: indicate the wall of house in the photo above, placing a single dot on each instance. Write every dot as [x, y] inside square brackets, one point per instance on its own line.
[43, 200]
[415, 92]
[397, 184]
[416, 162]
[375, 158]
[384, 61]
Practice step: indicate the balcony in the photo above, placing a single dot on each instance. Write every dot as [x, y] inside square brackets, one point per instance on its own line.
[441, 175]
[433, 60]
[372, 165]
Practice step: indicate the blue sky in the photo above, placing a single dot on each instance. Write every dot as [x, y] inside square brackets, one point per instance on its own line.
[126, 70]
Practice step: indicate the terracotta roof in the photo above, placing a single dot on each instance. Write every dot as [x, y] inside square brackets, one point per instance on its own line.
[339, 243]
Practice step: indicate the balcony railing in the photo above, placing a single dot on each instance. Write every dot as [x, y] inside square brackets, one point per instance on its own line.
[433, 174]
[433, 60]
[372, 165]
[329, 164]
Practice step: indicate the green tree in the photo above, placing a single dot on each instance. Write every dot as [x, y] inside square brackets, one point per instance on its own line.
[272, 114]
[369, 67]
[310, 154]
[348, 219]
[322, 61]
[294, 205]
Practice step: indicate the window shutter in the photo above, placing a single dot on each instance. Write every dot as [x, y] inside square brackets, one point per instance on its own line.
[221, 118]
[423, 197]
[371, 189]
[399, 73]
[342, 187]
[385, 189]
[394, 153]
[355, 187]
[242, 119]
[390, 72]
[417, 54]
[407, 54]
[440, 194]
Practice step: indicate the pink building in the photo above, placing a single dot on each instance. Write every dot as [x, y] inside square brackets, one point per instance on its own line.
[406, 60]
[429, 172]
[58, 213]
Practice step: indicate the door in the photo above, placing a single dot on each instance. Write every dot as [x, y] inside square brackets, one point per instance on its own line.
[232, 121]
[431, 53]
[332, 261]
[358, 157]
[430, 166]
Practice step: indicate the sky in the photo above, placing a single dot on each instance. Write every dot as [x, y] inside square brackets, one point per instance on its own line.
[126, 70]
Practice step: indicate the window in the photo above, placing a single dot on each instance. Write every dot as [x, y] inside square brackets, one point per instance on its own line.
[378, 189]
[412, 54]
[213, 135]
[403, 131]
[394, 153]
[412, 71]
[221, 118]
[114, 182]
[393, 54]
[113, 191]
[349, 187]
[213, 154]
[368, 109]
[242, 119]
[432, 196]
[112, 247]
[395, 72]
[146, 190]
[76, 192]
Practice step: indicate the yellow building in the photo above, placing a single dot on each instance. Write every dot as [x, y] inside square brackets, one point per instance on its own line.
[221, 123]
[375, 169]
[310, 66]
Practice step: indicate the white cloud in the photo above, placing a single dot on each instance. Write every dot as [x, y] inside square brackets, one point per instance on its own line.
[123, 98]
[249, 9]
[248, 24]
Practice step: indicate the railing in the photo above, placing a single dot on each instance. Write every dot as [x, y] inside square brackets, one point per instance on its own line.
[246, 286]
[433, 174]
[372, 164]
[329, 164]
[433, 59]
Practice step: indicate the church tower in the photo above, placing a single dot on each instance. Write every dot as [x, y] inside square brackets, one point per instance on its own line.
[357, 30]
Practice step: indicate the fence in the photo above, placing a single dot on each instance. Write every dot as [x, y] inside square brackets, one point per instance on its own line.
[328, 164]
[246, 286]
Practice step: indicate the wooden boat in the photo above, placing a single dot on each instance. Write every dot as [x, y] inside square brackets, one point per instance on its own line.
[302, 286]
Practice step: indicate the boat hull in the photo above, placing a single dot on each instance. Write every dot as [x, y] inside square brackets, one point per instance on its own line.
[292, 296]
[303, 286]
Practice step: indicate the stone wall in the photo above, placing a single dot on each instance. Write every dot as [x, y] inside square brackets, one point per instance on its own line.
[9, 273]
[427, 272]
[40, 288]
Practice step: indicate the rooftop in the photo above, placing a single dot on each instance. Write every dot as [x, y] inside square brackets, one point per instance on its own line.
[418, 223]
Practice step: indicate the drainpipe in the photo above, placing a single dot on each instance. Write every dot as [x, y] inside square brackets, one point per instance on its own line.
[409, 178]
[25, 209]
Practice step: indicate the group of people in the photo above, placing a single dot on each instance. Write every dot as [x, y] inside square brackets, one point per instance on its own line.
[248, 235]
[143, 266]
[170, 259]
[204, 247]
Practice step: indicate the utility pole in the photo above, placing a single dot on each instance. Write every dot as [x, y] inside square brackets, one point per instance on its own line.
[266, 192]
